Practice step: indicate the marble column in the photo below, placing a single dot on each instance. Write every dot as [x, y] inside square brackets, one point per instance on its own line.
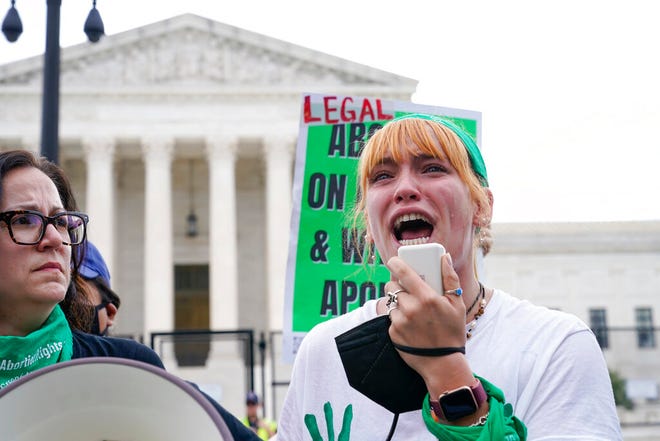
[158, 255]
[223, 256]
[100, 200]
[278, 153]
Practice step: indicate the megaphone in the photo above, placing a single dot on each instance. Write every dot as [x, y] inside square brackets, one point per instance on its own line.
[106, 398]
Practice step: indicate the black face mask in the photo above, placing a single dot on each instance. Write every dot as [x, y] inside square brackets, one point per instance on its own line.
[96, 325]
[375, 368]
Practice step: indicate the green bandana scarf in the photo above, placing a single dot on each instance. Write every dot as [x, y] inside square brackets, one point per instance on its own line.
[50, 344]
[476, 160]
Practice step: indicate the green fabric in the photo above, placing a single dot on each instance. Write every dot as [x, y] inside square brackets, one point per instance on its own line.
[50, 344]
[476, 160]
[501, 425]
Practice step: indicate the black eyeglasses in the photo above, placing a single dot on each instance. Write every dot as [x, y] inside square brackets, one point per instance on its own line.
[27, 227]
[101, 306]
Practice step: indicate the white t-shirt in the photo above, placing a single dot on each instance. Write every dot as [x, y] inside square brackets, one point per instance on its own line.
[547, 363]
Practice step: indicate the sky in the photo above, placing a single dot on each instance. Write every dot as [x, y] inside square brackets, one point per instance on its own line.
[569, 90]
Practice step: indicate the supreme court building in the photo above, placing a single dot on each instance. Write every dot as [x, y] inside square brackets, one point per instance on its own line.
[179, 140]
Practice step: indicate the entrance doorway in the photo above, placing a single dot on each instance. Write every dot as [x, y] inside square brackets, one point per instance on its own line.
[191, 313]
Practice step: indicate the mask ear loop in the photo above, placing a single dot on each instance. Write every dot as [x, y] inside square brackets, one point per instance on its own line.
[96, 323]
[393, 427]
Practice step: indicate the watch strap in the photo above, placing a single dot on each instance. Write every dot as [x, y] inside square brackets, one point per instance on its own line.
[478, 392]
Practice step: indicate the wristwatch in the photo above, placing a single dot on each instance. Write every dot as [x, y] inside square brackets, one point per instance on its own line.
[457, 403]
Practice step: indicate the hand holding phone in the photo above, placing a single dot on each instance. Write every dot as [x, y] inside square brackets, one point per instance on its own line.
[425, 260]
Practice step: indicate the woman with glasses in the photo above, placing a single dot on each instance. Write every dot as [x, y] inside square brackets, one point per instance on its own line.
[41, 243]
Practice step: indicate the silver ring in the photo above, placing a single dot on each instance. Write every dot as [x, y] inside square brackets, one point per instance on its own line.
[457, 291]
[393, 297]
[391, 308]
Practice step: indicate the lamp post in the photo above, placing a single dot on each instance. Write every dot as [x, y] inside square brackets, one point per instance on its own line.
[50, 109]
[191, 219]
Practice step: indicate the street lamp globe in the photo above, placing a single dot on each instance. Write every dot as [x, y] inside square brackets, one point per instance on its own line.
[12, 26]
[94, 25]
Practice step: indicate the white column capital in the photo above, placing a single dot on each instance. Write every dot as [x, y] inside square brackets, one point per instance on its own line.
[279, 146]
[222, 148]
[157, 148]
[103, 146]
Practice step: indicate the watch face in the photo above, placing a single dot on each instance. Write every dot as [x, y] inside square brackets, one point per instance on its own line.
[458, 404]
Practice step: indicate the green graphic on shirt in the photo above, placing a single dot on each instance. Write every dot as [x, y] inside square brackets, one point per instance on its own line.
[345, 432]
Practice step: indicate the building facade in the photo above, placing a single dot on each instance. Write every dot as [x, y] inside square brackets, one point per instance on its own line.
[606, 273]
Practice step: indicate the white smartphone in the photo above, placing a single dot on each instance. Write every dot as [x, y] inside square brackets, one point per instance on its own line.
[425, 259]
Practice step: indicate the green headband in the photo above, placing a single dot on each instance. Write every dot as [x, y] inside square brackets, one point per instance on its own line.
[476, 160]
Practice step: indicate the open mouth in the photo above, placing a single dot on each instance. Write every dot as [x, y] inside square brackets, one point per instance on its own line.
[412, 229]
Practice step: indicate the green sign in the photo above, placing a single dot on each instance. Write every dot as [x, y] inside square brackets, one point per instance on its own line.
[328, 271]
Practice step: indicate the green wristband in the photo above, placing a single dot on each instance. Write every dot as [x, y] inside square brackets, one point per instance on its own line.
[500, 425]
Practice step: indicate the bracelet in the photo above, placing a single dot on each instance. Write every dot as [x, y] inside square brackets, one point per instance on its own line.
[430, 352]
[481, 421]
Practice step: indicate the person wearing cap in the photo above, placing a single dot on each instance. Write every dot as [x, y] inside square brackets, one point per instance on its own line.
[471, 362]
[106, 302]
[263, 427]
